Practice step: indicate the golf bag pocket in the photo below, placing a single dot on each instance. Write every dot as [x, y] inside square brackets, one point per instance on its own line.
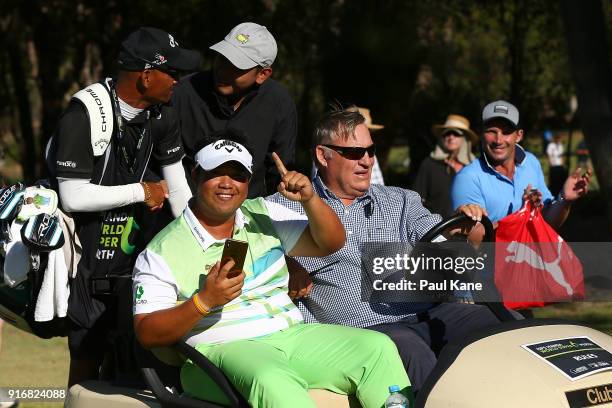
[16, 257]
[534, 266]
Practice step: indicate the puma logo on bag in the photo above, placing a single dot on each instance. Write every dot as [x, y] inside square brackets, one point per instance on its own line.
[523, 253]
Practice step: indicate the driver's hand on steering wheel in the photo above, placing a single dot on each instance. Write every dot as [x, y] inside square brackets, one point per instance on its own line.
[473, 211]
[474, 231]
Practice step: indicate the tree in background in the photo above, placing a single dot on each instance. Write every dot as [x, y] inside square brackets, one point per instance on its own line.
[589, 56]
[412, 62]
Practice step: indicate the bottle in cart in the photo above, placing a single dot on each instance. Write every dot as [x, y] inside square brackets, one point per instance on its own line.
[396, 399]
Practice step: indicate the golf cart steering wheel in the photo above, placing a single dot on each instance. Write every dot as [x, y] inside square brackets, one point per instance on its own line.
[454, 221]
[497, 308]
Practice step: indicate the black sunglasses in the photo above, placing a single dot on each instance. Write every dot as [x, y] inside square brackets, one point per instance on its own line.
[353, 153]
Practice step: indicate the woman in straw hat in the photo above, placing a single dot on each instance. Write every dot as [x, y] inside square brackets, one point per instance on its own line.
[453, 151]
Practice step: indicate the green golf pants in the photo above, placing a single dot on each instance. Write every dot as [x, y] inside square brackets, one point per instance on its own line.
[278, 369]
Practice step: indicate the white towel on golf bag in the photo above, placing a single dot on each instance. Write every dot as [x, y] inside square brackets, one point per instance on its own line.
[54, 291]
[17, 258]
[72, 245]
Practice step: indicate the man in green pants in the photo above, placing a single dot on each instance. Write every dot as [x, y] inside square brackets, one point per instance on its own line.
[244, 321]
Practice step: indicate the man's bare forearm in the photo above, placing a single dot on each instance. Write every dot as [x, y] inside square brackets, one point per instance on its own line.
[556, 213]
[325, 227]
[166, 327]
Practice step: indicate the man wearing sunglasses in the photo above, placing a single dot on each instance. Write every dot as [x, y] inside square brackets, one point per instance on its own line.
[109, 147]
[506, 175]
[239, 93]
[344, 153]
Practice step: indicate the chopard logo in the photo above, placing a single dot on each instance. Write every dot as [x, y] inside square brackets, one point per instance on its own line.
[160, 59]
[99, 103]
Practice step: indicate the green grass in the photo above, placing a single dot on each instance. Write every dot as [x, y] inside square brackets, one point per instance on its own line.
[28, 361]
[596, 315]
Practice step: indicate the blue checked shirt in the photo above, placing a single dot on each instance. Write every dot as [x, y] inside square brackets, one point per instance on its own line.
[383, 214]
[376, 176]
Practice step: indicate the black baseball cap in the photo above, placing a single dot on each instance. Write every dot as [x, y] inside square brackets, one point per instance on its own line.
[150, 47]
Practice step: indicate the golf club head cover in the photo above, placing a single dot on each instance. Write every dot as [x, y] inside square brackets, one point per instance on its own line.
[43, 232]
[11, 200]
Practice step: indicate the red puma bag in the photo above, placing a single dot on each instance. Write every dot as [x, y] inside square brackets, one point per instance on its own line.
[534, 266]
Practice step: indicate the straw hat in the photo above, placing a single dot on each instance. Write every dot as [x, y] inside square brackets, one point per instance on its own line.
[365, 112]
[458, 123]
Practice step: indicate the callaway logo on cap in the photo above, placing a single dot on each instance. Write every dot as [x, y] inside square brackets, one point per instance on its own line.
[222, 151]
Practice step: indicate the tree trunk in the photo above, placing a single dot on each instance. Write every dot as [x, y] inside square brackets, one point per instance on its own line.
[588, 51]
[28, 147]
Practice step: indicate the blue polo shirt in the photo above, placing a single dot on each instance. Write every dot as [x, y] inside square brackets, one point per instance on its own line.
[478, 183]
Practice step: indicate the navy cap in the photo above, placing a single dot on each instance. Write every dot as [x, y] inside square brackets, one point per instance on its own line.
[150, 47]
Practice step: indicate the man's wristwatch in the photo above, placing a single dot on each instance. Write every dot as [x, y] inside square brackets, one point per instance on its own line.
[561, 198]
[147, 192]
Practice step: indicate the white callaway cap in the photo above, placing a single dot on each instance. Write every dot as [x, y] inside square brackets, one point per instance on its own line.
[222, 151]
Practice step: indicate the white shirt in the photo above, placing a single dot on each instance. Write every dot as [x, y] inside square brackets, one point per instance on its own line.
[555, 153]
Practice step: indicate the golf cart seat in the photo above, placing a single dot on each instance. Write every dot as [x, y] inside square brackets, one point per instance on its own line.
[158, 377]
[159, 384]
[490, 368]
[101, 394]
[152, 378]
[161, 371]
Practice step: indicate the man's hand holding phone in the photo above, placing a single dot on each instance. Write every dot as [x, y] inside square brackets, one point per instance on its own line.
[221, 287]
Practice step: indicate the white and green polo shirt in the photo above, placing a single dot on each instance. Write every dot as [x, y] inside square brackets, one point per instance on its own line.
[170, 269]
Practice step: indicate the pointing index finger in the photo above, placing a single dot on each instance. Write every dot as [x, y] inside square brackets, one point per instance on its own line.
[279, 164]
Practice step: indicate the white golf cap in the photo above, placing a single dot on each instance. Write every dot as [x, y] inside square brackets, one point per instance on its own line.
[222, 151]
[248, 45]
